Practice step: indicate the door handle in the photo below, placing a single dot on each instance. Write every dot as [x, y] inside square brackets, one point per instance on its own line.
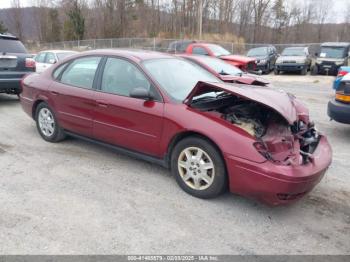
[55, 93]
[102, 103]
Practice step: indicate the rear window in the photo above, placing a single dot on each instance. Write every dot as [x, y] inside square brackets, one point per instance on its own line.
[11, 46]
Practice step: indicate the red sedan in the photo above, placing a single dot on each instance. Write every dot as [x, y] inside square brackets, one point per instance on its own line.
[243, 62]
[256, 141]
[226, 72]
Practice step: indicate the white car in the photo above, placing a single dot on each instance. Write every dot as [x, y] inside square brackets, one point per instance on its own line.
[45, 59]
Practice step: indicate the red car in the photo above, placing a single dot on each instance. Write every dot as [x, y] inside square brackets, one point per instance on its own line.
[256, 141]
[243, 62]
[224, 71]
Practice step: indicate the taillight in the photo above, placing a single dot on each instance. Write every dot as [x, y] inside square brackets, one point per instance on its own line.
[342, 73]
[30, 63]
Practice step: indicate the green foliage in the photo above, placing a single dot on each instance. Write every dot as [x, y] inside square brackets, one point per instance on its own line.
[55, 27]
[74, 27]
[3, 29]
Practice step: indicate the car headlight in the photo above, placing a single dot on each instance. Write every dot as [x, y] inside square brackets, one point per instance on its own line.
[339, 63]
[263, 61]
[318, 62]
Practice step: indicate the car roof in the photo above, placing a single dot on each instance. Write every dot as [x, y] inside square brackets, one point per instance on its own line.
[297, 47]
[8, 36]
[59, 51]
[136, 54]
[336, 44]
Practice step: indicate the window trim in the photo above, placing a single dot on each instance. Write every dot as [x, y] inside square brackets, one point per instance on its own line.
[158, 98]
[66, 65]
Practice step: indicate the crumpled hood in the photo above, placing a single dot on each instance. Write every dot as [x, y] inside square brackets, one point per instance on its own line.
[248, 79]
[297, 59]
[280, 101]
[239, 58]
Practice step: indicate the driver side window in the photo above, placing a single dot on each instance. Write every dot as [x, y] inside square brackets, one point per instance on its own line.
[120, 77]
[199, 51]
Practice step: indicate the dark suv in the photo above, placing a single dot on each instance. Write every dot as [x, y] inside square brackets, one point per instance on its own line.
[331, 57]
[15, 62]
[266, 57]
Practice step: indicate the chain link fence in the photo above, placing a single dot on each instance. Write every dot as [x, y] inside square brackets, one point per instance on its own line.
[156, 44]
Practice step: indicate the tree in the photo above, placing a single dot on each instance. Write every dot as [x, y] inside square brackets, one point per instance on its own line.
[75, 25]
[54, 26]
[16, 17]
[3, 29]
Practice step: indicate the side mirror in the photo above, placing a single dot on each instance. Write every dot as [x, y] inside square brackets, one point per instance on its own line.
[316, 54]
[52, 61]
[141, 93]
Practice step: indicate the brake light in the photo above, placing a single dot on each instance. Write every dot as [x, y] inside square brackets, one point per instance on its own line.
[342, 97]
[342, 73]
[30, 63]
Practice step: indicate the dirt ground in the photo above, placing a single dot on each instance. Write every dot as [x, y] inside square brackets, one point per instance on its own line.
[79, 198]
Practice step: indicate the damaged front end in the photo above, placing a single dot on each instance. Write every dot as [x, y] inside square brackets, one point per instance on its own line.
[276, 120]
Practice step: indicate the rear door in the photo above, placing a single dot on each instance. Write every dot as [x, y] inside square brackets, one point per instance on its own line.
[72, 94]
[122, 120]
[40, 62]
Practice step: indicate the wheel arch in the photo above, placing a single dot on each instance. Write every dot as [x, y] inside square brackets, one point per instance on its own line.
[180, 136]
[35, 106]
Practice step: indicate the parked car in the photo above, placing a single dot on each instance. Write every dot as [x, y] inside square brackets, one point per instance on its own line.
[256, 141]
[224, 71]
[197, 48]
[266, 57]
[46, 59]
[294, 59]
[344, 70]
[339, 107]
[331, 57]
[15, 62]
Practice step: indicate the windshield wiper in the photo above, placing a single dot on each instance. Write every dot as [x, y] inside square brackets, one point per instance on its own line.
[223, 73]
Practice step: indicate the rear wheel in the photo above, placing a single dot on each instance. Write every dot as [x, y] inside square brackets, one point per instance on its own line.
[47, 124]
[198, 168]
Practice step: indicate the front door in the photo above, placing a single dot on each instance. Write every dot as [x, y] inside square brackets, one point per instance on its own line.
[124, 121]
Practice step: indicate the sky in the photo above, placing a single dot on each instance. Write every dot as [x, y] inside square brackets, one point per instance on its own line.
[338, 12]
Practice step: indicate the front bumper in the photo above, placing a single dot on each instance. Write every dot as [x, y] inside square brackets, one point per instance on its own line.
[290, 67]
[339, 111]
[277, 184]
[328, 69]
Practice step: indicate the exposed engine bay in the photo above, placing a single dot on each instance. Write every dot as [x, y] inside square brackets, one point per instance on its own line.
[277, 140]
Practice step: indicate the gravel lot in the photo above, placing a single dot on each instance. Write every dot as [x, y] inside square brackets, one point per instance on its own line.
[79, 198]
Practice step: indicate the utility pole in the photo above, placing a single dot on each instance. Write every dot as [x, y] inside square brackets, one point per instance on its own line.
[200, 19]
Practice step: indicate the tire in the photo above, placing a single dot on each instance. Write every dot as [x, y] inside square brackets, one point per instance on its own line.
[277, 72]
[268, 68]
[203, 178]
[303, 71]
[314, 70]
[47, 125]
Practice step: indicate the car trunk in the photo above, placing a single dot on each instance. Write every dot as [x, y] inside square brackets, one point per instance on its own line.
[278, 122]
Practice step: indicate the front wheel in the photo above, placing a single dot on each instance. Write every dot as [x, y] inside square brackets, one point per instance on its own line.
[198, 168]
[47, 124]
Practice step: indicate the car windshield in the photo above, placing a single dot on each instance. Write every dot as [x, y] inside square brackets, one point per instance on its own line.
[177, 76]
[260, 51]
[293, 52]
[218, 50]
[332, 52]
[220, 66]
[62, 56]
[12, 46]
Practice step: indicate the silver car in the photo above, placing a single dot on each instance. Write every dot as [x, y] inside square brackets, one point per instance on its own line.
[294, 59]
